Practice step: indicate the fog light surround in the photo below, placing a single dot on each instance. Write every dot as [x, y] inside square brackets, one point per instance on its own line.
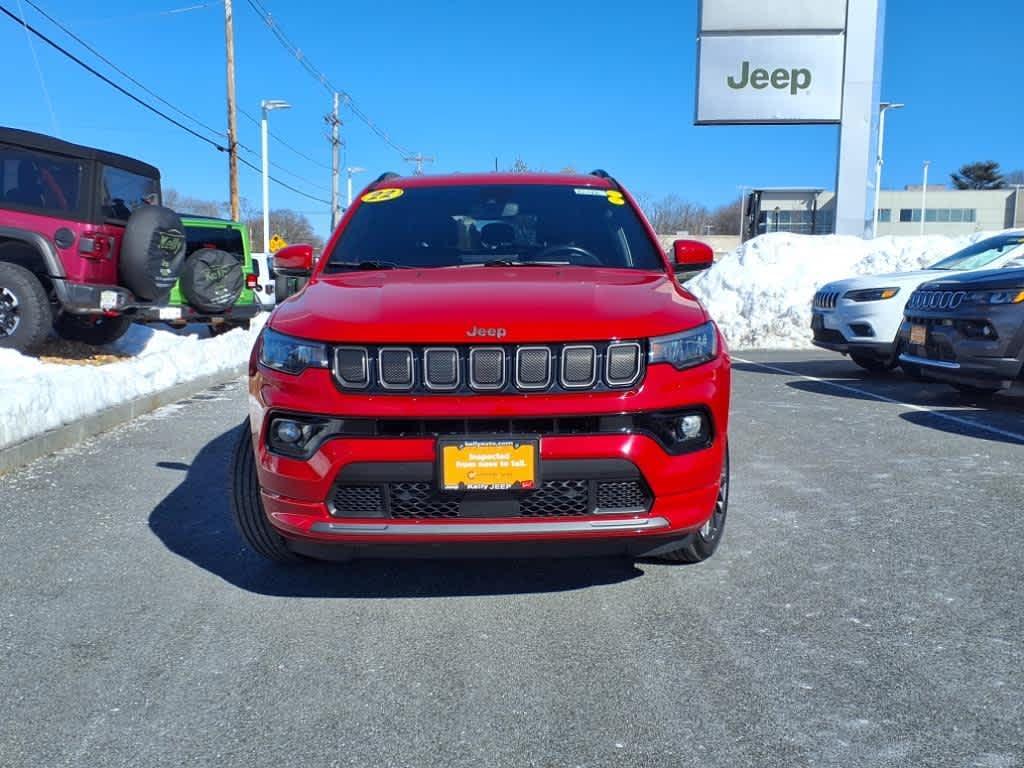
[298, 437]
[679, 431]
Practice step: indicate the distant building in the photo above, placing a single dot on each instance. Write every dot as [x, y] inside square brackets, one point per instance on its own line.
[947, 212]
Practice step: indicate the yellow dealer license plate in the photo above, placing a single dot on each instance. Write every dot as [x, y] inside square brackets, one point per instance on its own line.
[489, 465]
[918, 334]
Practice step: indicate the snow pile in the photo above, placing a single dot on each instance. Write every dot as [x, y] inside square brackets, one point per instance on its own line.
[760, 294]
[37, 396]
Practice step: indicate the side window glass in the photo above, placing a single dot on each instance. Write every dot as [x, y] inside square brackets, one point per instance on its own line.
[37, 181]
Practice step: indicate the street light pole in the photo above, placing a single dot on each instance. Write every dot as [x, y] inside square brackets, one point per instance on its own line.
[924, 194]
[352, 170]
[883, 108]
[267, 105]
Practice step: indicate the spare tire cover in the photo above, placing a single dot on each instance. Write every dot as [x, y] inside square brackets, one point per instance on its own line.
[212, 280]
[152, 252]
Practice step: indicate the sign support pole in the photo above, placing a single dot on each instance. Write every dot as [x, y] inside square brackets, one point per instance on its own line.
[855, 184]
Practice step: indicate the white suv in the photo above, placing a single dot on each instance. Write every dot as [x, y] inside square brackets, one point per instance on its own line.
[861, 316]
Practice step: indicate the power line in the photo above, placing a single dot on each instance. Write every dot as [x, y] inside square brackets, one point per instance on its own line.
[321, 78]
[283, 143]
[220, 134]
[121, 89]
[39, 71]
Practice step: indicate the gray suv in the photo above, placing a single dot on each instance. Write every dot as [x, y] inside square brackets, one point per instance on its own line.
[967, 331]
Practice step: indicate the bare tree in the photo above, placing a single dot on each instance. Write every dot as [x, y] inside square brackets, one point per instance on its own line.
[725, 219]
[185, 204]
[672, 214]
[293, 227]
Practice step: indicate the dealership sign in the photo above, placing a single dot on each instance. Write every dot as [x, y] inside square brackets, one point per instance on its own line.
[770, 79]
[771, 61]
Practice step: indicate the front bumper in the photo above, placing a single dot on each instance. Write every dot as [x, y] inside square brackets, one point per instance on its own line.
[950, 356]
[184, 313]
[854, 328]
[301, 501]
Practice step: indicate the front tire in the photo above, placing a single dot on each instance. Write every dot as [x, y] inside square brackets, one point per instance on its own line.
[247, 506]
[701, 545]
[96, 330]
[25, 317]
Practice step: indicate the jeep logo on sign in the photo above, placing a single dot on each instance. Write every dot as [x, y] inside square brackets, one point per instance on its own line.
[795, 80]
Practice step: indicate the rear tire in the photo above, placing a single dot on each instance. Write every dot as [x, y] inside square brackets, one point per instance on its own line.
[92, 329]
[873, 364]
[247, 506]
[701, 545]
[25, 318]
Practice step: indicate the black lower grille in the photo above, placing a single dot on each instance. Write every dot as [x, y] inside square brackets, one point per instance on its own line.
[559, 497]
[622, 494]
[358, 500]
[419, 501]
[829, 336]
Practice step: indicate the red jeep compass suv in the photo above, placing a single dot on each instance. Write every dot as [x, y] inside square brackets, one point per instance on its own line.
[488, 363]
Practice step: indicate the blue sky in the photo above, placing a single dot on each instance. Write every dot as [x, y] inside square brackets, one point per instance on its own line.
[591, 84]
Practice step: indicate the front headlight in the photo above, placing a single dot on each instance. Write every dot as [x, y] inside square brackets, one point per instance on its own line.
[1012, 296]
[871, 294]
[687, 349]
[291, 355]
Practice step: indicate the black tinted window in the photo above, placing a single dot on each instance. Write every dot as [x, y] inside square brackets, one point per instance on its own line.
[124, 191]
[469, 225]
[48, 183]
[226, 239]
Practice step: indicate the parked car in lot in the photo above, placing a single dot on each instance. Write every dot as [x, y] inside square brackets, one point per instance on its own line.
[968, 330]
[861, 316]
[266, 277]
[84, 242]
[487, 363]
[218, 282]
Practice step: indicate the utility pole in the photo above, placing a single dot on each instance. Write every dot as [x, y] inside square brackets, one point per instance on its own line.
[334, 121]
[419, 159]
[229, 36]
[924, 194]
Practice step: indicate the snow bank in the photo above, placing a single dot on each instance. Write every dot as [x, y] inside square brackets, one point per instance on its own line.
[37, 396]
[760, 294]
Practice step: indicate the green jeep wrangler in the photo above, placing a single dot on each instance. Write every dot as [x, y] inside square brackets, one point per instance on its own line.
[217, 284]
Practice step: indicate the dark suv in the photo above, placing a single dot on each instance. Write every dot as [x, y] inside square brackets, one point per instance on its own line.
[967, 331]
[84, 242]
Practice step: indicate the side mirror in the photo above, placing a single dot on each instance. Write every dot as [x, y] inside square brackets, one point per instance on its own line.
[692, 256]
[294, 261]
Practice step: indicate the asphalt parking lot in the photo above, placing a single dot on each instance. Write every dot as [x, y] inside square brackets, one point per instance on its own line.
[865, 609]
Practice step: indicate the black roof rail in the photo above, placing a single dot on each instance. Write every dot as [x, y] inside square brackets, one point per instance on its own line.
[386, 176]
[603, 174]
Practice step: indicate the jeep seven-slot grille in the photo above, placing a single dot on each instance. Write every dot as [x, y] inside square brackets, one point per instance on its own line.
[490, 368]
[420, 500]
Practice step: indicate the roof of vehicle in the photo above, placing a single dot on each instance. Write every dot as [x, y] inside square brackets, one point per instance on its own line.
[43, 143]
[475, 179]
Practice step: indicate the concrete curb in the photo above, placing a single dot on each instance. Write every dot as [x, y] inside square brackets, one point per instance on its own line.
[58, 439]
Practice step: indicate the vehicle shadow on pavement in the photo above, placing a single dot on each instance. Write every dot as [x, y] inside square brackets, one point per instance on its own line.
[998, 419]
[194, 521]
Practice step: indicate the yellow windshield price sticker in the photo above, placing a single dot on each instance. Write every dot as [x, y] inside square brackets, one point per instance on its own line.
[382, 195]
[615, 197]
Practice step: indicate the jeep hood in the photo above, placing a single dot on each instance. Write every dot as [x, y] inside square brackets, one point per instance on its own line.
[989, 279]
[532, 304]
[907, 281]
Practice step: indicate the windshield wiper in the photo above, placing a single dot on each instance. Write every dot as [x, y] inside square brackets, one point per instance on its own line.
[367, 265]
[511, 263]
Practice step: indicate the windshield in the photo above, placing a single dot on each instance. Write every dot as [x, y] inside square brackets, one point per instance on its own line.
[499, 225]
[124, 191]
[983, 253]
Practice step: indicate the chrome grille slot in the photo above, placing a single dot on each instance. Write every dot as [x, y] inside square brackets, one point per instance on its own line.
[352, 367]
[622, 365]
[579, 367]
[395, 366]
[826, 299]
[533, 367]
[487, 368]
[441, 368]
